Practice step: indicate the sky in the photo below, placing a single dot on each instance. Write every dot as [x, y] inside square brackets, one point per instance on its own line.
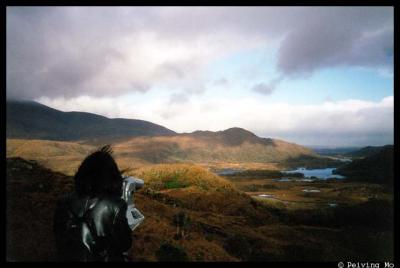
[316, 76]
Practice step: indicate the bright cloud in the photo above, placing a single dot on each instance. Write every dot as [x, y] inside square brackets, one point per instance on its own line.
[351, 122]
[211, 68]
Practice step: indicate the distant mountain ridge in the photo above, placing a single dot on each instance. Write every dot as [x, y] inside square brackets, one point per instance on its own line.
[32, 120]
[233, 145]
[377, 167]
[137, 139]
[335, 151]
[368, 151]
[234, 136]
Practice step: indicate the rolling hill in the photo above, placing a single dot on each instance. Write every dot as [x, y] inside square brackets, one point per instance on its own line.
[367, 151]
[32, 120]
[231, 145]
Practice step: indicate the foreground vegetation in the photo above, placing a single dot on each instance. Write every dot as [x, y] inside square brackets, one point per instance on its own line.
[192, 214]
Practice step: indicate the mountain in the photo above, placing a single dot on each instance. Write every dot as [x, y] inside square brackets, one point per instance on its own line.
[377, 167]
[235, 146]
[32, 120]
[367, 151]
[232, 145]
[230, 137]
[62, 139]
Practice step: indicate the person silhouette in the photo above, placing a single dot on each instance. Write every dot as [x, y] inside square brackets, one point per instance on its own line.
[90, 223]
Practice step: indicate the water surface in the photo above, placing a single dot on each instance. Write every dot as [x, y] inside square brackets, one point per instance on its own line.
[320, 173]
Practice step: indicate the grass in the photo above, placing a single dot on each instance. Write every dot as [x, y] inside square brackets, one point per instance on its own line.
[226, 224]
[262, 173]
[63, 157]
[66, 156]
[170, 252]
[170, 176]
[174, 184]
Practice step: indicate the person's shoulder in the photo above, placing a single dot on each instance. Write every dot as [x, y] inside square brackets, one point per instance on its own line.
[113, 201]
[111, 204]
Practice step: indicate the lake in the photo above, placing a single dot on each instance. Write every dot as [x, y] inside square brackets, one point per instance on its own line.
[321, 173]
[309, 174]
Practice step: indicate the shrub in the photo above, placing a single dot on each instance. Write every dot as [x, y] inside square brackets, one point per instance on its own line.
[170, 176]
[182, 222]
[246, 248]
[174, 183]
[169, 252]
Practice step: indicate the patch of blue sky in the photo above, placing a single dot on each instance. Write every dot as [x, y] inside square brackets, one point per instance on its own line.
[335, 84]
[241, 71]
[245, 69]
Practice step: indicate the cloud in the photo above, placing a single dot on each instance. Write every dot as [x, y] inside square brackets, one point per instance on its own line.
[263, 88]
[340, 123]
[328, 37]
[220, 82]
[351, 122]
[178, 98]
[73, 51]
[95, 59]
[111, 51]
[267, 89]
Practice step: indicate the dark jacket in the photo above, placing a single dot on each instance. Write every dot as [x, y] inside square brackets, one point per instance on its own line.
[91, 229]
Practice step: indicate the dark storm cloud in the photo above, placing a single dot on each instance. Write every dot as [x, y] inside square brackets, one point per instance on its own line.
[313, 37]
[47, 54]
[359, 36]
[74, 51]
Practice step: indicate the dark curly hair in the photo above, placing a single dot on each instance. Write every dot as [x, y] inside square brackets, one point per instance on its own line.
[98, 174]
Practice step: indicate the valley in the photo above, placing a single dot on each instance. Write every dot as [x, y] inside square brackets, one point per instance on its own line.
[208, 196]
[241, 134]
